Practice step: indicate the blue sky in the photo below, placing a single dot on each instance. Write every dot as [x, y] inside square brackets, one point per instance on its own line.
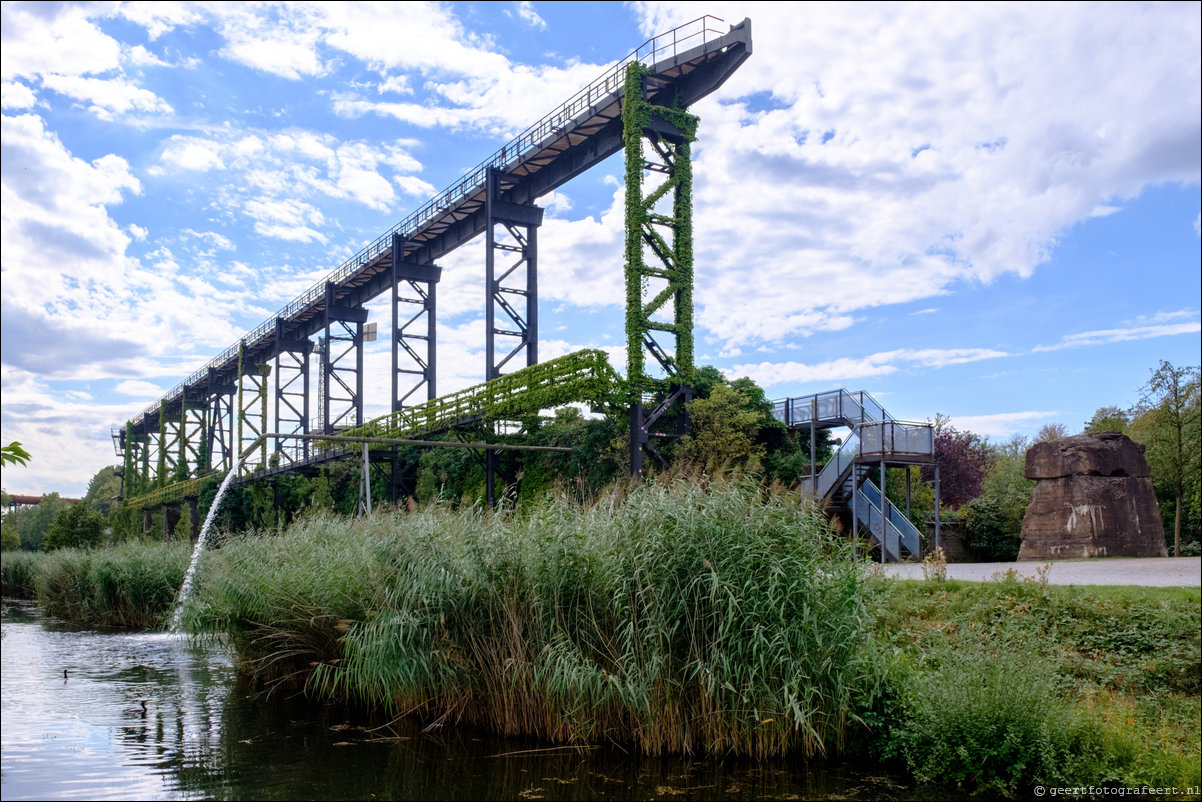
[985, 211]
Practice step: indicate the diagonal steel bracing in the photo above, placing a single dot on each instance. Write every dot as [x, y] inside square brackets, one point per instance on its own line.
[414, 325]
[511, 277]
[252, 402]
[659, 262]
[291, 390]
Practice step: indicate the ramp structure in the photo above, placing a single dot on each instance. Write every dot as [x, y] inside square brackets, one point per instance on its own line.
[302, 370]
[876, 441]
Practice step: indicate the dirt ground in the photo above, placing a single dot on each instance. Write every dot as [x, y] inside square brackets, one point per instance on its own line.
[1151, 571]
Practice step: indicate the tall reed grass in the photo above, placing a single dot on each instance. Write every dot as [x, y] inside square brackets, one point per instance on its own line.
[670, 618]
[18, 573]
[132, 585]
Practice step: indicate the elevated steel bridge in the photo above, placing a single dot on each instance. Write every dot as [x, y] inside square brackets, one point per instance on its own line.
[265, 381]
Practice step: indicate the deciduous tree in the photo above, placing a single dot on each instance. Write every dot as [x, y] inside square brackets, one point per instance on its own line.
[1167, 421]
[963, 459]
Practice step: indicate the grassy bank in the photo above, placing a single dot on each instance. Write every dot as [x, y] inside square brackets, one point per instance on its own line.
[132, 585]
[670, 619]
[1003, 685]
[676, 619]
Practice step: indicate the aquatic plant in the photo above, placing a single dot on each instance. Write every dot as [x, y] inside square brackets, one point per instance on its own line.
[669, 617]
[131, 585]
[18, 572]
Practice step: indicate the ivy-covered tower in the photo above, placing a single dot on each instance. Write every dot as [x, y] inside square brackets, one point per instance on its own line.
[659, 264]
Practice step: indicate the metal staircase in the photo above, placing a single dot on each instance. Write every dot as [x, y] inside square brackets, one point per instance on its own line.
[876, 439]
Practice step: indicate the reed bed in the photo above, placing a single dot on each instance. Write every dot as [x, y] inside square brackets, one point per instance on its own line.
[18, 573]
[132, 585]
[671, 618]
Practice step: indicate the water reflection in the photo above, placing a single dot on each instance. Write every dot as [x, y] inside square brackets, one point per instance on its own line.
[204, 735]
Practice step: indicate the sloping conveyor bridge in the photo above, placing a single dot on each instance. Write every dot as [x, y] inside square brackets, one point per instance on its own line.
[876, 440]
[201, 425]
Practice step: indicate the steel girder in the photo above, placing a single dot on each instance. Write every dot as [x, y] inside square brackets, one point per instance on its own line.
[517, 280]
[252, 410]
[220, 423]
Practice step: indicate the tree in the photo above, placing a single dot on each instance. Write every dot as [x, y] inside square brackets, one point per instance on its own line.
[76, 527]
[1167, 422]
[1108, 419]
[724, 430]
[14, 453]
[993, 521]
[31, 523]
[184, 526]
[963, 459]
[103, 488]
[1051, 431]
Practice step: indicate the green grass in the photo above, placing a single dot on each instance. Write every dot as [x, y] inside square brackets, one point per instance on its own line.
[669, 618]
[1001, 685]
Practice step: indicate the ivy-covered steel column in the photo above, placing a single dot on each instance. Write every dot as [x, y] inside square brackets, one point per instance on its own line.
[659, 263]
[160, 473]
[129, 479]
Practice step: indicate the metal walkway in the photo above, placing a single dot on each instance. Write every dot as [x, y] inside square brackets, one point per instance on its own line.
[877, 440]
[301, 371]
[686, 64]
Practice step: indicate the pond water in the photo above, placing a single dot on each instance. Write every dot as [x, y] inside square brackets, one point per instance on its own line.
[205, 735]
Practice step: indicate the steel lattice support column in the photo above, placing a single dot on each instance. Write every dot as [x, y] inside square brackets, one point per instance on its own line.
[414, 329]
[291, 390]
[342, 363]
[219, 423]
[192, 416]
[510, 280]
[659, 262]
[516, 280]
[252, 416]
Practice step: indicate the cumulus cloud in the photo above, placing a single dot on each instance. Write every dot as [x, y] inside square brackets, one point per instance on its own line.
[107, 97]
[873, 155]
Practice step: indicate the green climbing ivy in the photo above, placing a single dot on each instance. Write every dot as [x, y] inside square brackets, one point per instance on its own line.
[637, 116]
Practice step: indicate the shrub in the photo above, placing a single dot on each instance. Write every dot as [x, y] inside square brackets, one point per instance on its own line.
[986, 719]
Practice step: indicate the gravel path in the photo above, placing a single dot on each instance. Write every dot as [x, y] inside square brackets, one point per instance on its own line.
[1152, 571]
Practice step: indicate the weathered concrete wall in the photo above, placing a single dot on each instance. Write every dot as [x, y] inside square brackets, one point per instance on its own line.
[1093, 498]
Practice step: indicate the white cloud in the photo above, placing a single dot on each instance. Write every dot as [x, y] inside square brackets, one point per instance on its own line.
[525, 11]
[873, 155]
[768, 374]
[139, 389]
[14, 95]
[107, 97]
[54, 39]
[1104, 336]
[1003, 424]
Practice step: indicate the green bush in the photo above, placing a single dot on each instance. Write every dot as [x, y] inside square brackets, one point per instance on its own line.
[987, 719]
